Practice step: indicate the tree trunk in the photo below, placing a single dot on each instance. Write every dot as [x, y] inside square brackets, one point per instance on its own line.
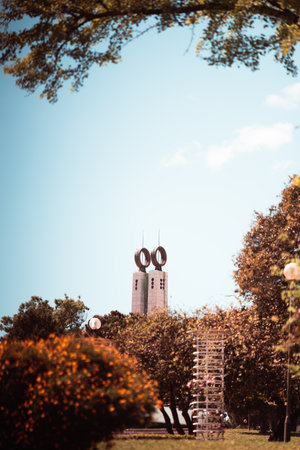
[167, 421]
[263, 425]
[277, 433]
[188, 421]
[294, 418]
[177, 425]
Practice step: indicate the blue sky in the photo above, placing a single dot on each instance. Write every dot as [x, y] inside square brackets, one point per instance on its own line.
[159, 141]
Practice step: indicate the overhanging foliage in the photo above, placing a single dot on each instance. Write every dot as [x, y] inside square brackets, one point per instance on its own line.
[62, 39]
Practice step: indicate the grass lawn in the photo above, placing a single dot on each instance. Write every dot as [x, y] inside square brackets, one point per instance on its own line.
[234, 440]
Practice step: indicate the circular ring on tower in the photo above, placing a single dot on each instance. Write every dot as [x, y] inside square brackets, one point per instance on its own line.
[142, 265]
[161, 261]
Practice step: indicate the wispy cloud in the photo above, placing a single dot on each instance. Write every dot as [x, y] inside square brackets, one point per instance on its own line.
[281, 166]
[245, 140]
[179, 158]
[289, 99]
[183, 155]
[249, 139]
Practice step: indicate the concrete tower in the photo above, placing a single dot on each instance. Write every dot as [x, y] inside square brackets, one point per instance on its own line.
[158, 281]
[140, 282]
[149, 291]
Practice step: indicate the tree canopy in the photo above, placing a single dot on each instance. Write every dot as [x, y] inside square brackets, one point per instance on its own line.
[36, 319]
[292, 326]
[272, 242]
[163, 349]
[111, 324]
[255, 371]
[45, 43]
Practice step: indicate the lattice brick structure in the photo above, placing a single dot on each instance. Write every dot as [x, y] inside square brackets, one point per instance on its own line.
[208, 382]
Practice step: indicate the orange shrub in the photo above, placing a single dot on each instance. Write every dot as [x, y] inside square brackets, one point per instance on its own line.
[66, 393]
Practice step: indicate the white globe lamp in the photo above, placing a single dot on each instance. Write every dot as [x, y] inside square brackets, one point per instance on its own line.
[95, 323]
[292, 271]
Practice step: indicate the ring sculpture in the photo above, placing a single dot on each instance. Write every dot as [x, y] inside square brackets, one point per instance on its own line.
[157, 260]
[137, 257]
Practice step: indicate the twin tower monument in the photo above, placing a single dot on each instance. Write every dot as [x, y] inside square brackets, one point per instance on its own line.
[149, 290]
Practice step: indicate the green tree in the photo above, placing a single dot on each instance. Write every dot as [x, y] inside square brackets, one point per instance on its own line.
[163, 349]
[36, 319]
[273, 240]
[47, 42]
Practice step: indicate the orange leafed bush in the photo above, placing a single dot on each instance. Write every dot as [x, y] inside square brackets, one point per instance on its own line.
[66, 393]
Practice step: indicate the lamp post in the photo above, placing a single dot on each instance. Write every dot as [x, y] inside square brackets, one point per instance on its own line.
[291, 272]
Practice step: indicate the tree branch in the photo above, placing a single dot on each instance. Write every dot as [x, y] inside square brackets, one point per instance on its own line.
[273, 11]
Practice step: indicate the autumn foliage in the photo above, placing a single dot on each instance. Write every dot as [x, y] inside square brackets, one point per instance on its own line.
[255, 379]
[272, 242]
[65, 392]
[45, 43]
[163, 348]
